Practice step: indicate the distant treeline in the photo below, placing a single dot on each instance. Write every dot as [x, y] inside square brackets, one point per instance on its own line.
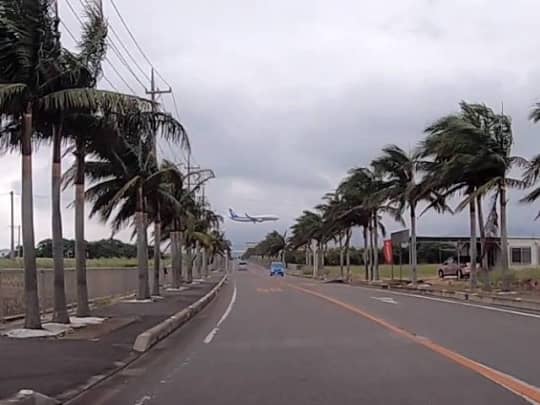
[104, 248]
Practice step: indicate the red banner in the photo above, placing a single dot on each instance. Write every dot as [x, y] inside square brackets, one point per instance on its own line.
[388, 252]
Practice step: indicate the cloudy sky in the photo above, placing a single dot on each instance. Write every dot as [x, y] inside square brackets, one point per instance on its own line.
[282, 97]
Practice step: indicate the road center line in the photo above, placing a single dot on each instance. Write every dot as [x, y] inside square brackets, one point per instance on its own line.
[213, 332]
[516, 386]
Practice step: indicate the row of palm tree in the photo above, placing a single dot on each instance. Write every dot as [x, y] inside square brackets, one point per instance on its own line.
[273, 246]
[48, 94]
[465, 154]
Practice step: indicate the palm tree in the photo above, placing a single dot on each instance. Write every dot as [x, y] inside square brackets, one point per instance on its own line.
[92, 48]
[80, 71]
[363, 191]
[531, 177]
[403, 188]
[127, 177]
[313, 226]
[176, 211]
[470, 152]
[30, 91]
[90, 133]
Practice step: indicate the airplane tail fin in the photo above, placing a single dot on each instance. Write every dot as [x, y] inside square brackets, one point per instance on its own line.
[232, 213]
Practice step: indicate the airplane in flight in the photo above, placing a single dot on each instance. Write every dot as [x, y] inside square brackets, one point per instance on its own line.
[255, 219]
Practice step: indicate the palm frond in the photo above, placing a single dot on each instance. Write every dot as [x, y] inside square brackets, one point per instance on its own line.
[88, 99]
[12, 97]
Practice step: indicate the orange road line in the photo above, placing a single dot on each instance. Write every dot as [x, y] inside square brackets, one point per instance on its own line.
[518, 387]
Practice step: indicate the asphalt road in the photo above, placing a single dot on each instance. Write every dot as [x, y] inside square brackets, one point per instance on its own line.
[293, 341]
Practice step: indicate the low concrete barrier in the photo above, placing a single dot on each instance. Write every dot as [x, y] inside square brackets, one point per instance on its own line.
[102, 283]
[150, 337]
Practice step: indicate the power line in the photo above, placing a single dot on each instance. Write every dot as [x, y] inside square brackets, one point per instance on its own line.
[136, 43]
[175, 106]
[120, 76]
[139, 48]
[125, 63]
[119, 56]
[145, 74]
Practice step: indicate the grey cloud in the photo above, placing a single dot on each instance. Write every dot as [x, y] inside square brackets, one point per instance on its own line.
[281, 98]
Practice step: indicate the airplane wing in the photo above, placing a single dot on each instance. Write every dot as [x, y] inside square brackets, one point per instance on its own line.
[251, 218]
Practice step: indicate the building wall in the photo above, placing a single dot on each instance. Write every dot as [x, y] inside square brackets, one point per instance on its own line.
[532, 243]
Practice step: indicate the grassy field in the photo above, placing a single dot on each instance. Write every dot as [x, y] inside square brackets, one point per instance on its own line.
[429, 271]
[47, 263]
[424, 271]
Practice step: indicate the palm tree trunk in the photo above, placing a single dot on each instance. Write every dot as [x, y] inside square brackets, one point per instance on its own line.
[376, 247]
[366, 252]
[180, 243]
[483, 254]
[341, 269]
[189, 264]
[175, 260]
[322, 252]
[370, 250]
[348, 254]
[32, 318]
[472, 249]
[142, 248]
[157, 251]
[60, 314]
[83, 309]
[413, 244]
[197, 259]
[315, 260]
[205, 263]
[504, 238]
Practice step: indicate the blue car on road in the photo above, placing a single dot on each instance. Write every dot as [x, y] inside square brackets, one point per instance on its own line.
[277, 269]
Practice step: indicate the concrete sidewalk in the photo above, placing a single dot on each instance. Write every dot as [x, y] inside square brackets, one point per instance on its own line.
[55, 366]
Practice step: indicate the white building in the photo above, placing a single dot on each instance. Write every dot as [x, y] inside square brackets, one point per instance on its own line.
[524, 252]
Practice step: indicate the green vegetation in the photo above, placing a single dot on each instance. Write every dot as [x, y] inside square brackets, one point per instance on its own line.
[467, 154]
[48, 263]
[428, 272]
[49, 93]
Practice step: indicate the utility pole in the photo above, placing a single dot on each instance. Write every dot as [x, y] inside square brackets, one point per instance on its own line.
[153, 92]
[19, 253]
[189, 167]
[12, 228]
[157, 223]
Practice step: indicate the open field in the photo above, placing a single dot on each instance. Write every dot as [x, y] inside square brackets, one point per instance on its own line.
[429, 271]
[47, 263]
[424, 271]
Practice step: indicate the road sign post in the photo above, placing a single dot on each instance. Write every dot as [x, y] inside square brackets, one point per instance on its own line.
[398, 239]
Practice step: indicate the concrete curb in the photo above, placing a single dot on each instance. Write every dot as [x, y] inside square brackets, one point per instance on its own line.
[150, 337]
[27, 397]
[479, 298]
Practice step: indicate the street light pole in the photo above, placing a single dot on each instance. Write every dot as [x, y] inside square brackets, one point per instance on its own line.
[12, 227]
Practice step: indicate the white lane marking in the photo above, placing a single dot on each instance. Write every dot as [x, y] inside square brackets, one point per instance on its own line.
[387, 300]
[210, 336]
[213, 332]
[466, 304]
[143, 400]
